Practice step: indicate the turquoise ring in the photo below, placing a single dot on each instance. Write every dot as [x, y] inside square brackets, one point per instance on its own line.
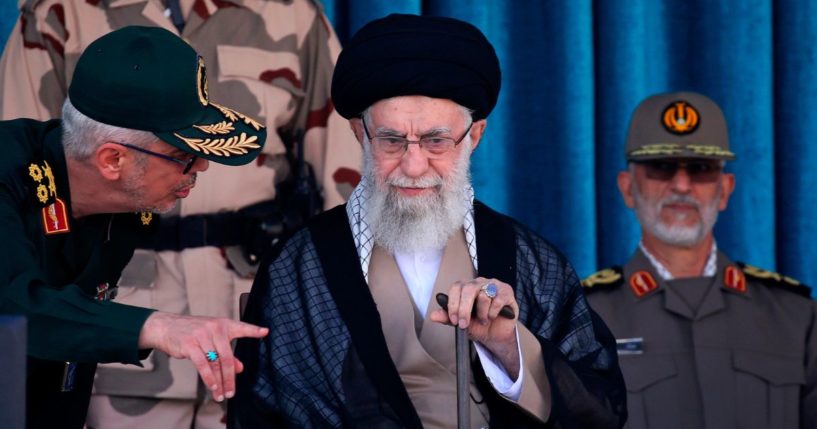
[212, 356]
[490, 290]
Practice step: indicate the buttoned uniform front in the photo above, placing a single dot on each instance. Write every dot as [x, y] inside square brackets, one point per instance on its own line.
[54, 277]
[270, 60]
[743, 354]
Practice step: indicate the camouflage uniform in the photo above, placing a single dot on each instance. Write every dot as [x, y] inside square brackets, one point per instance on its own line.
[269, 59]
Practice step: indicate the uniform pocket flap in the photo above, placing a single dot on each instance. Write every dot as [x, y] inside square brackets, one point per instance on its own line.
[280, 68]
[777, 370]
[643, 371]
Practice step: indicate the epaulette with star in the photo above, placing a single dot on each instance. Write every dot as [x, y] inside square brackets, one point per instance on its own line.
[606, 278]
[771, 278]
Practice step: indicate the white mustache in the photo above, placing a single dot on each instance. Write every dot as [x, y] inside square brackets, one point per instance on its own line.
[189, 182]
[675, 199]
[422, 182]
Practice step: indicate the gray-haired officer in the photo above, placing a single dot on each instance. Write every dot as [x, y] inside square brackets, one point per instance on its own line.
[137, 129]
[703, 342]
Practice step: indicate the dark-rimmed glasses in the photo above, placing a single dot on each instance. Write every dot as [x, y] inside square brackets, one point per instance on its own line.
[396, 146]
[186, 164]
[698, 170]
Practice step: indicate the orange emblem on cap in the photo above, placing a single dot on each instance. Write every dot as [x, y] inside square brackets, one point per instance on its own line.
[680, 118]
[642, 283]
[734, 279]
[55, 218]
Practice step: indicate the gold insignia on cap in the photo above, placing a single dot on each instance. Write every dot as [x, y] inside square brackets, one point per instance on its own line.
[146, 218]
[234, 115]
[680, 118]
[222, 127]
[201, 82]
[235, 145]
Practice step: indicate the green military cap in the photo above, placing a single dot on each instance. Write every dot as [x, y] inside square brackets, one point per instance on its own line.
[147, 78]
[678, 125]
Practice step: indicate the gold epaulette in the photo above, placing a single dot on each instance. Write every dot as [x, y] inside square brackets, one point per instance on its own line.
[775, 279]
[607, 277]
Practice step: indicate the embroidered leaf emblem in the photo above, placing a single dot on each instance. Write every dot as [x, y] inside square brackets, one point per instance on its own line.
[233, 115]
[235, 145]
[222, 127]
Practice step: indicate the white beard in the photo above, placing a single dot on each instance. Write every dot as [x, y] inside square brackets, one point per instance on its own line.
[648, 214]
[409, 224]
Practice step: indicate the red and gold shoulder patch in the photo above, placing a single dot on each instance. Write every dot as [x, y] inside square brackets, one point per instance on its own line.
[734, 279]
[642, 283]
[55, 218]
[680, 118]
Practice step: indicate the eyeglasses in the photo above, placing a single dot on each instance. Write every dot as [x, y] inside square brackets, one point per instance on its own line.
[396, 146]
[186, 164]
[700, 171]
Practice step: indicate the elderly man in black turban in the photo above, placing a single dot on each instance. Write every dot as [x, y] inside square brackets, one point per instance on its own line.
[356, 336]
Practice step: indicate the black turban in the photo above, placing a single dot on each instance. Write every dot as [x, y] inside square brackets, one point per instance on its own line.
[416, 55]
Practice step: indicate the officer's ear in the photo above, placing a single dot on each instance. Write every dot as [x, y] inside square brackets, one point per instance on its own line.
[108, 159]
[727, 186]
[625, 186]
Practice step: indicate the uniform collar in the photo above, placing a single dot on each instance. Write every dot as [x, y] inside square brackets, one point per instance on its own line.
[710, 269]
[644, 283]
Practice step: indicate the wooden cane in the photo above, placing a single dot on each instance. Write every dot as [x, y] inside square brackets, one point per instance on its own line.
[463, 353]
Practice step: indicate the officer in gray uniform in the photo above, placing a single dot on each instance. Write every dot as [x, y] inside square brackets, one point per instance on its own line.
[703, 341]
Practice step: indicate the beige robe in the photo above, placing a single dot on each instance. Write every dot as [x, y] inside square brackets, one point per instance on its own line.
[423, 351]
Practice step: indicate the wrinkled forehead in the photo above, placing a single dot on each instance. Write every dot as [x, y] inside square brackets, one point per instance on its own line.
[417, 112]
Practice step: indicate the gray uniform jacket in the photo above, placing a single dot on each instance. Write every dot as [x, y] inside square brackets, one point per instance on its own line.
[740, 354]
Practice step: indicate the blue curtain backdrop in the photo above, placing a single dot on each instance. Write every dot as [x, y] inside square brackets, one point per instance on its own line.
[573, 71]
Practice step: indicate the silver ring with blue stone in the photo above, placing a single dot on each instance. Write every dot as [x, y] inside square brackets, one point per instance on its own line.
[211, 355]
[490, 290]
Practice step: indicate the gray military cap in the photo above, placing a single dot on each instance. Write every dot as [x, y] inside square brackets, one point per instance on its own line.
[678, 125]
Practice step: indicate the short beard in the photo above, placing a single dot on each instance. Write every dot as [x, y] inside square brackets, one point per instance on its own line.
[648, 215]
[410, 224]
[134, 189]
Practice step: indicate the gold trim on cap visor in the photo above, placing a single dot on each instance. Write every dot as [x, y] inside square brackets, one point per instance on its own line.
[677, 149]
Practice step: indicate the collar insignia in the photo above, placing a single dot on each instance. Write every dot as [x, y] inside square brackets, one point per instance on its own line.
[734, 279]
[146, 218]
[201, 82]
[680, 118]
[55, 218]
[642, 283]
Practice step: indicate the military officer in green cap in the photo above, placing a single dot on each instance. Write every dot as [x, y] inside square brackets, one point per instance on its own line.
[76, 194]
[703, 341]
